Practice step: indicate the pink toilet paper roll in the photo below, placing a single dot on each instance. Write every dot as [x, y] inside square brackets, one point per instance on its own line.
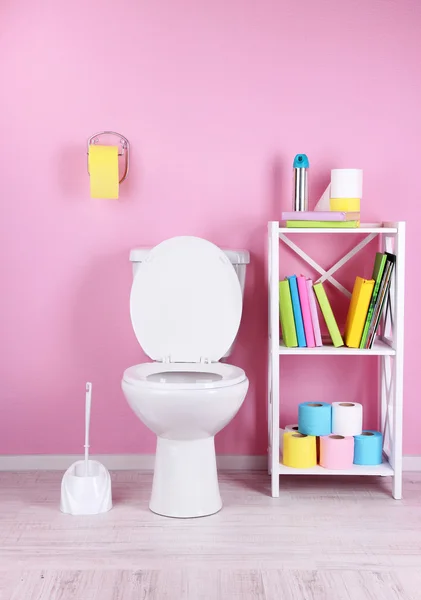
[336, 451]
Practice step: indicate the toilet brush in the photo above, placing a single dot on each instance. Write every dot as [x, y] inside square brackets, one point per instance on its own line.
[86, 485]
[88, 401]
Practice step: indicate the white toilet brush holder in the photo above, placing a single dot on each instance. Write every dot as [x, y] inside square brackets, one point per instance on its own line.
[86, 485]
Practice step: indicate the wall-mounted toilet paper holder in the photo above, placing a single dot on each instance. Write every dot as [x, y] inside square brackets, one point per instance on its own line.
[124, 148]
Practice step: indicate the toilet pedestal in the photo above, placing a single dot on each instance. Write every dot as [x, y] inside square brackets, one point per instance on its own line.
[185, 482]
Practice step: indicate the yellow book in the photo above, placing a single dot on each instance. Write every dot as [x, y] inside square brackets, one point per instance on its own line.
[357, 312]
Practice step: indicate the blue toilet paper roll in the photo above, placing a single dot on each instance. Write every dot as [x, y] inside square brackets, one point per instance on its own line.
[315, 418]
[368, 448]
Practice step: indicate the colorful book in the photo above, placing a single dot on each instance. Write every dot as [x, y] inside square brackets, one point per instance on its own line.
[323, 224]
[319, 215]
[305, 310]
[287, 316]
[328, 315]
[314, 315]
[377, 275]
[296, 307]
[357, 312]
[381, 298]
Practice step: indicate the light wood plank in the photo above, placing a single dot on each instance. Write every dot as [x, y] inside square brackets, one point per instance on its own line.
[410, 582]
[336, 585]
[306, 585]
[241, 585]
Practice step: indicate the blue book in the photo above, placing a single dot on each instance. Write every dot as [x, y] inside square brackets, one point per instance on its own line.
[296, 308]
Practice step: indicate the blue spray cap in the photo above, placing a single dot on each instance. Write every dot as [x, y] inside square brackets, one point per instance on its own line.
[301, 162]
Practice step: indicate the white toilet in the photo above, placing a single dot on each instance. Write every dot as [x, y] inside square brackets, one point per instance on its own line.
[185, 307]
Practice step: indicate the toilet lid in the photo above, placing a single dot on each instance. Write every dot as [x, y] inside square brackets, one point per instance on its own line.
[186, 301]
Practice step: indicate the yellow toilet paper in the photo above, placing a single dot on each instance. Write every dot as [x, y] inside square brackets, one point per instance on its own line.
[299, 450]
[345, 204]
[103, 171]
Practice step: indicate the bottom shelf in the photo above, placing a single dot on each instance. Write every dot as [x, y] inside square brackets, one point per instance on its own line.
[384, 470]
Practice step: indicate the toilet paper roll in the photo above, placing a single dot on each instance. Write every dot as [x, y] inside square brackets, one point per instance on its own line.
[293, 427]
[336, 451]
[103, 171]
[346, 183]
[299, 450]
[315, 418]
[347, 418]
[345, 204]
[368, 448]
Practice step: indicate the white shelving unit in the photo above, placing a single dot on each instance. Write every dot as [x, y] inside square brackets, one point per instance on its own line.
[388, 346]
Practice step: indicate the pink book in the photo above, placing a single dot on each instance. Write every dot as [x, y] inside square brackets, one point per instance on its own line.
[305, 310]
[318, 215]
[314, 314]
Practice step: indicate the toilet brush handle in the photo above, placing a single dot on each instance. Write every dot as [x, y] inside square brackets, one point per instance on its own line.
[88, 400]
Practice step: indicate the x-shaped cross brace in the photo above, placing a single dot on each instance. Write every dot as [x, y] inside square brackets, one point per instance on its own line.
[388, 382]
[327, 275]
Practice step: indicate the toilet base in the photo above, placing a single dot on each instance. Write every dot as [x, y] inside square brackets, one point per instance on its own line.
[185, 481]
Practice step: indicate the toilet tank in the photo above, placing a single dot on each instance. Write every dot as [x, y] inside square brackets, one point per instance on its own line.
[238, 258]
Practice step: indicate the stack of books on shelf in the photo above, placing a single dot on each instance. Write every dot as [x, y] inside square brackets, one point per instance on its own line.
[367, 303]
[298, 299]
[321, 219]
[298, 310]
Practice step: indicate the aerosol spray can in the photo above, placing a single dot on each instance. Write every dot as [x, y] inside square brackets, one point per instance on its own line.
[300, 197]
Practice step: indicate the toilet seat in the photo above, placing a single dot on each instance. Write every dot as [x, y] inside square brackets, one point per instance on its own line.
[186, 302]
[183, 376]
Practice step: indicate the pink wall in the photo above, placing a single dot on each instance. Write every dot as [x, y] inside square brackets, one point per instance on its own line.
[216, 98]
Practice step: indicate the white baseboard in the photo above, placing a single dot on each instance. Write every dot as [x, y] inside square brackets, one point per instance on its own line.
[118, 462]
[411, 463]
[144, 462]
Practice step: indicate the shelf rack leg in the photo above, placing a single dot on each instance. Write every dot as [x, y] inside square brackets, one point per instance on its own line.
[398, 335]
[269, 412]
[273, 292]
[269, 358]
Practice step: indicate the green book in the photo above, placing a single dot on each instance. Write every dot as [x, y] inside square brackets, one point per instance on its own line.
[287, 316]
[323, 224]
[328, 315]
[381, 298]
[378, 270]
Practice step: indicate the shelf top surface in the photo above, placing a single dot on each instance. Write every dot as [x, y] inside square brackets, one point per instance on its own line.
[364, 228]
[380, 348]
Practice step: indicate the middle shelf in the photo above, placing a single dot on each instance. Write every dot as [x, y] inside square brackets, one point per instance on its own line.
[380, 348]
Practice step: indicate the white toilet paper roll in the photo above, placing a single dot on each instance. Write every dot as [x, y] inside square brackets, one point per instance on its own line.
[346, 183]
[293, 427]
[347, 418]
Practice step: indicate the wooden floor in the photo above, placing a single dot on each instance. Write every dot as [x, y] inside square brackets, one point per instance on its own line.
[324, 538]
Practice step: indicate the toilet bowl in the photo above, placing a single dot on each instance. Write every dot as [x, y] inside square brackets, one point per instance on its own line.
[185, 306]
